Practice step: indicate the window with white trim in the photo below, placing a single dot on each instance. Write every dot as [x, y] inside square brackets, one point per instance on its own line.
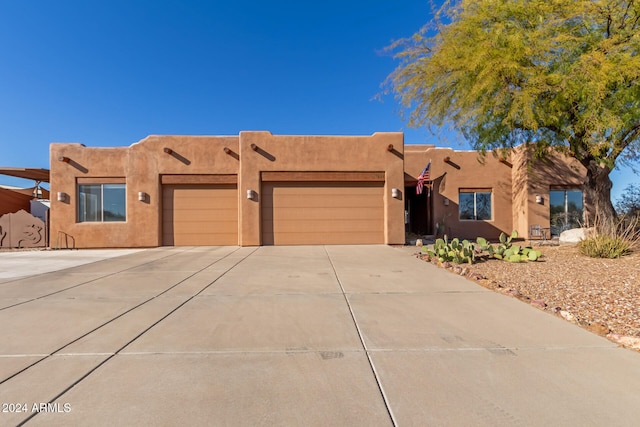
[475, 205]
[102, 202]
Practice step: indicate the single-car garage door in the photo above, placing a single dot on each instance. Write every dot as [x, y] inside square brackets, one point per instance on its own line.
[305, 213]
[199, 215]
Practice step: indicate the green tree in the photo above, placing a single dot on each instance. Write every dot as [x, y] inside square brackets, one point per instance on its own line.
[561, 74]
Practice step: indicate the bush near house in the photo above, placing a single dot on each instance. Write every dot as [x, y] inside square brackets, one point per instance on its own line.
[617, 241]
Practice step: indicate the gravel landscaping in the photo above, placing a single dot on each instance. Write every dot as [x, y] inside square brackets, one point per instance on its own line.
[602, 295]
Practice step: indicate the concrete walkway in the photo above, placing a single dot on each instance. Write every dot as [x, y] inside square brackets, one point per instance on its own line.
[27, 263]
[312, 335]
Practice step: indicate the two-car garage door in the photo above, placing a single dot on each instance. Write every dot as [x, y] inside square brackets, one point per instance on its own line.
[306, 213]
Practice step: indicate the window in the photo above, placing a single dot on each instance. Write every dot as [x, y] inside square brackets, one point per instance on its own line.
[566, 210]
[475, 204]
[102, 203]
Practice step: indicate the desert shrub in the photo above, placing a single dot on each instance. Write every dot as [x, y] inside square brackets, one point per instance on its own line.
[615, 242]
[604, 246]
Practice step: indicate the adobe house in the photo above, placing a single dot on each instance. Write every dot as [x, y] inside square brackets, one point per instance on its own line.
[262, 189]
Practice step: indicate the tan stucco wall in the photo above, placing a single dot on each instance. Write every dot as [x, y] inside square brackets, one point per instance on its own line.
[142, 164]
[463, 170]
[514, 178]
[145, 162]
[522, 197]
[322, 154]
[534, 177]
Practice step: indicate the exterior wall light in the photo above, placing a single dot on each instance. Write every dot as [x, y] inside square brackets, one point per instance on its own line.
[539, 199]
[62, 196]
[395, 193]
[251, 194]
[446, 201]
[142, 196]
[64, 159]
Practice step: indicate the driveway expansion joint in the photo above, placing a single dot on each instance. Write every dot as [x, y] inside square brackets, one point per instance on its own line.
[362, 341]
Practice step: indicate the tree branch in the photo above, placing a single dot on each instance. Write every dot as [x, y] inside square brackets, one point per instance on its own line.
[631, 134]
[625, 15]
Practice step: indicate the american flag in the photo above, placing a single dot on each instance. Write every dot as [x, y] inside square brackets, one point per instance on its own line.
[424, 176]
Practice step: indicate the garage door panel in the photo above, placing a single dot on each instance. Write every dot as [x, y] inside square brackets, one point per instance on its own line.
[333, 189]
[205, 227]
[322, 213]
[205, 199]
[205, 239]
[328, 190]
[202, 197]
[202, 239]
[321, 239]
[196, 215]
[354, 201]
[203, 215]
[194, 190]
[321, 226]
[211, 205]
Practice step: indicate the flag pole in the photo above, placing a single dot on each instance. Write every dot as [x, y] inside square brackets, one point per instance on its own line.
[430, 181]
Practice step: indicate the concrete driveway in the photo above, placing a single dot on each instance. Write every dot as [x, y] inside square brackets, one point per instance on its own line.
[311, 335]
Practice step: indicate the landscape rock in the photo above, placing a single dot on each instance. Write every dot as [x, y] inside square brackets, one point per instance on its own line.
[575, 235]
[512, 292]
[419, 242]
[630, 342]
[567, 316]
[538, 303]
[598, 328]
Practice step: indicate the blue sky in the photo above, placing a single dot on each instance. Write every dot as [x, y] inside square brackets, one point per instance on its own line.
[111, 72]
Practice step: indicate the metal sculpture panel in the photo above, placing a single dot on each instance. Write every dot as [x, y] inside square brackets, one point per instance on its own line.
[21, 230]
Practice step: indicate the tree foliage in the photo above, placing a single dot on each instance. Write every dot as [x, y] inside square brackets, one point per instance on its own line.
[629, 202]
[545, 73]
